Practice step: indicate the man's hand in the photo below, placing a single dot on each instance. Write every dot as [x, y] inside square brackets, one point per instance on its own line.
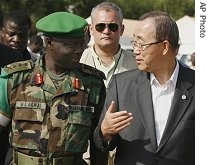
[114, 122]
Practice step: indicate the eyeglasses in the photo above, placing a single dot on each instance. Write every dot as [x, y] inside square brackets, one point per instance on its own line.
[143, 46]
[101, 26]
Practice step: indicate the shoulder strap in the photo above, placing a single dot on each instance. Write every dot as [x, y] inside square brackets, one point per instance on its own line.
[18, 66]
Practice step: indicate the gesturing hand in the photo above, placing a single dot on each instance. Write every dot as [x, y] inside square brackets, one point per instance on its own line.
[114, 122]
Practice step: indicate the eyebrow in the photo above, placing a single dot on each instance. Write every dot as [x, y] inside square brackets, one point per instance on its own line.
[138, 37]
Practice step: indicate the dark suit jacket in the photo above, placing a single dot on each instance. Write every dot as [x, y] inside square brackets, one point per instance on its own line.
[136, 144]
[9, 55]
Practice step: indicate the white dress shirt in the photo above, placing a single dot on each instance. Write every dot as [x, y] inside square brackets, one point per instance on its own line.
[162, 96]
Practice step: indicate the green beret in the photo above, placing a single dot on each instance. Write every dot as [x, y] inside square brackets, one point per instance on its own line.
[62, 24]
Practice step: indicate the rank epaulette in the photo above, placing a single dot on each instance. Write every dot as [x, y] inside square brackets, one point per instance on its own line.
[18, 66]
[90, 70]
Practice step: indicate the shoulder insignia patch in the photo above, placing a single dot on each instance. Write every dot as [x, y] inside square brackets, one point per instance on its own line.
[18, 66]
[90, 70]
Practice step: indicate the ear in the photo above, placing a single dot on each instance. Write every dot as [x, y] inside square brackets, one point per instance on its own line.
[87, 35]
[1, 32]
[122, 29]
[166, 47]
[49, 43]
[91, 28]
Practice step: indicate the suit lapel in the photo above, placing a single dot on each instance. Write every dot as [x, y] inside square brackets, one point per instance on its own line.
[179, 105]
[145, 105]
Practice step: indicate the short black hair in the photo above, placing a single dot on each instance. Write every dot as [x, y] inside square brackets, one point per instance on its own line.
[19, 17]
[166, 27]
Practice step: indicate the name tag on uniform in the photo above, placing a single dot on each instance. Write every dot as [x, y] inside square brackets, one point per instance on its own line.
[29, 104]
[81, 108]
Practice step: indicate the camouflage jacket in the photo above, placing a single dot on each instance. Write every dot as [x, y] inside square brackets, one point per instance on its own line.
[46, 120]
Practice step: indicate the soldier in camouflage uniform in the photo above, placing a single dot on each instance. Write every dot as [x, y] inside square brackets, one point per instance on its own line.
[53, 104]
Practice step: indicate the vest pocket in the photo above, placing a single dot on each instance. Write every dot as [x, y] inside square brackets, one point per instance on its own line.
[78, 129]
[27, 124]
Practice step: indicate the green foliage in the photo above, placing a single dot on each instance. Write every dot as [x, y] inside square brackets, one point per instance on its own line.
[84, 7]
[132, 8]
[176, 8]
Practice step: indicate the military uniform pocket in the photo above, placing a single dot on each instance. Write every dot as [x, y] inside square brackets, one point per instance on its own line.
[29, 111]
[27, 124]
[78, 131]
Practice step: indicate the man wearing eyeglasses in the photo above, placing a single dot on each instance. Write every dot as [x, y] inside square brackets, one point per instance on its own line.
[149, 113]
[106, 53]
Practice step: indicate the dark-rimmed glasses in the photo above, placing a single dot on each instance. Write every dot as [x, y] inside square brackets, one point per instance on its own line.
[101, 26]
[143, 46]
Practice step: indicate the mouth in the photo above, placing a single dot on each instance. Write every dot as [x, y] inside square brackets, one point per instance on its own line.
[105, 38]
[17, 47]
[139, 61]
[14, 47]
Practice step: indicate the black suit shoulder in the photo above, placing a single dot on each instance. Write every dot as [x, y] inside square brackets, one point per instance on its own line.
[131, 75]
[186, 74]
[8, 55]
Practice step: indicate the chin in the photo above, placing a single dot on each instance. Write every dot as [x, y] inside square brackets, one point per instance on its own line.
[141, 67]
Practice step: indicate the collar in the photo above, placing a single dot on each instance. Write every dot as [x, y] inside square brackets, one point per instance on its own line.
[172, 79]
[114, 58]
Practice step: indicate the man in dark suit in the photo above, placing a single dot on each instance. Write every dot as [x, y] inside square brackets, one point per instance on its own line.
[149, 113]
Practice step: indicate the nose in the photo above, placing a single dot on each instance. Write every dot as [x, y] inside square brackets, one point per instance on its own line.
[106, 30]
[16, 38]
[136, 51]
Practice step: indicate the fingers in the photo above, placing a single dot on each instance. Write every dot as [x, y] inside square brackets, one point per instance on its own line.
[120, 117]
[111, 108]
[118, 129]
[121, 122]
[114, 122]
[111, 126]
